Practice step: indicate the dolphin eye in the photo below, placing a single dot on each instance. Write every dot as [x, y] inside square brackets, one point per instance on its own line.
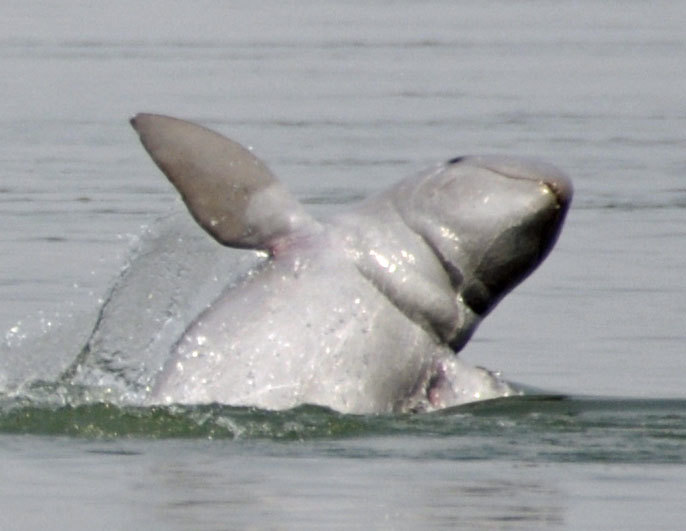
[456, 160]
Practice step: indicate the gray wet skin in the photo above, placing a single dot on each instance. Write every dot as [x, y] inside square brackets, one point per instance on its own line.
[363, 312]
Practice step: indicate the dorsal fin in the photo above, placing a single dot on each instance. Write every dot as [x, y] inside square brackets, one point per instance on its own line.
[229, 191]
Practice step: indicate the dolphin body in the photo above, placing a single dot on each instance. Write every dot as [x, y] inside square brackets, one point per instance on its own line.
[364, 312]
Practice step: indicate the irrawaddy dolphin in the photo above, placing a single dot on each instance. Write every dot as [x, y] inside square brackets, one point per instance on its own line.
[364, 312]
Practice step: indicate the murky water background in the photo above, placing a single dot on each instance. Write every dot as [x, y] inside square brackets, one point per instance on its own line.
[342, 100]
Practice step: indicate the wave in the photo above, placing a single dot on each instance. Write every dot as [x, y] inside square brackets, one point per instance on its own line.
[548, 428]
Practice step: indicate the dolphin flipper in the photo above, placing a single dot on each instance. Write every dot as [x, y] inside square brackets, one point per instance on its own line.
[229, 191]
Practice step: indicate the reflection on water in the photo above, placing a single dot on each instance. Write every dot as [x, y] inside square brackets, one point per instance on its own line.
[449, 496]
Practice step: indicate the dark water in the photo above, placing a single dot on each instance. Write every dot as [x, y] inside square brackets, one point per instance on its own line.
[536, 428]
[342, 100]
[525, 462]
[536, 462]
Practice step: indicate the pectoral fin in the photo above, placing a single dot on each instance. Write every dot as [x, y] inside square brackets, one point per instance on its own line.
[229, 191]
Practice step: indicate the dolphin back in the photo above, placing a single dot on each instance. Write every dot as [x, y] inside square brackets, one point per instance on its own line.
[230, 192]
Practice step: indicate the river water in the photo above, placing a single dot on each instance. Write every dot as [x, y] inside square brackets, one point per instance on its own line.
[343, 99]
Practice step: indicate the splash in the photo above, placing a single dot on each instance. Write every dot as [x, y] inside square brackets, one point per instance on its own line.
[174, 271]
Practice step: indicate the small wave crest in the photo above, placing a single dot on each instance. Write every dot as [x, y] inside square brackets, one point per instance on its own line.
[536, 428]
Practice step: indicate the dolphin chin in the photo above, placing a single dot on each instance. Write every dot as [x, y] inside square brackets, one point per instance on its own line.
[364, 312]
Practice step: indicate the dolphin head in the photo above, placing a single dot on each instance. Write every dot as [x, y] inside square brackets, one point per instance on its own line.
[489, 220]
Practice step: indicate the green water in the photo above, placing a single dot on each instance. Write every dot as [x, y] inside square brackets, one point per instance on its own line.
[537, 428]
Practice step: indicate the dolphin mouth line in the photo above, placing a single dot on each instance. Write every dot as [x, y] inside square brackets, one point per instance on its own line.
[559, 186]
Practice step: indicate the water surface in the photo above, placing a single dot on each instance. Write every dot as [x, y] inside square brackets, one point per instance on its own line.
[342, 101]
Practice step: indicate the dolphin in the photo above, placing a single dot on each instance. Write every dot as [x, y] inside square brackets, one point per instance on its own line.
[364, 312]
